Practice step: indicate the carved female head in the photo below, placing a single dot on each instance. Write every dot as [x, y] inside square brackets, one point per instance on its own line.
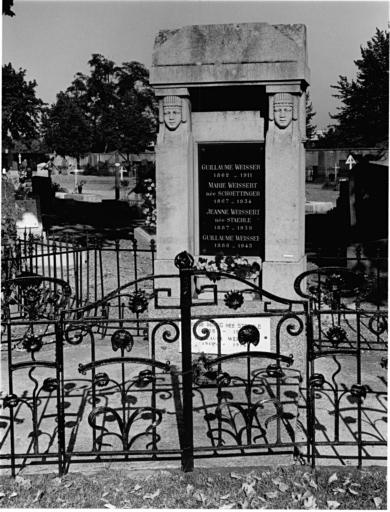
[172, 112]
[283, 109]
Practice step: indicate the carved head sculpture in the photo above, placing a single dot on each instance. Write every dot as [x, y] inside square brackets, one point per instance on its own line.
[283, 109]
[172, 112]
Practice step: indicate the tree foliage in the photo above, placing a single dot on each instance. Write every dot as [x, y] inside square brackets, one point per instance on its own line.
[310, 128]
[364, 116]
[21, 108]
[7, 8]
[115, 109]
[66, 127]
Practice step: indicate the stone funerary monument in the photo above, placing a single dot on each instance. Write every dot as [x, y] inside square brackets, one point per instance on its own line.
[230, 161]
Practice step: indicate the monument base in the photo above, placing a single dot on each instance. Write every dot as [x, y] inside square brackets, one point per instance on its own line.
[279, 277]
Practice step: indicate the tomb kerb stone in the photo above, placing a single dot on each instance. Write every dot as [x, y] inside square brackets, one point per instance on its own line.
[235, 55]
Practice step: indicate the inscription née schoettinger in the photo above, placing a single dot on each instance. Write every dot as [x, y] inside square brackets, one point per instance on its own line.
[230, 200]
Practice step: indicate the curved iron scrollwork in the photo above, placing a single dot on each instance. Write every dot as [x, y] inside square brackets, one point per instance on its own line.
[145, 413]
[248, 414]
[292, 329]
[169, 336]
[378, 323]
[75, 333]
[328, 285]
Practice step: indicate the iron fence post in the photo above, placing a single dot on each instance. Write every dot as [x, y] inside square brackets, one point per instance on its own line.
[187, 461]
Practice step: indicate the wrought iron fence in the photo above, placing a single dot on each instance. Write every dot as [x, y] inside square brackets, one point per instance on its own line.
[172, 369]
[92, 265]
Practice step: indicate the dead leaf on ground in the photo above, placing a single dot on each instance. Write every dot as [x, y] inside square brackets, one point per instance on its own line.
[235, 475]
[13, 495]
[2, 495]
[152, 496]
[105, 494]
[332, 505]
[313, 484]
[282, 487]
[57, 480]
[137, 487]
[271, 495]
[228, 505]
[225, 497]
[296, 496]
[339, 489]
[310, 503]
[332, 478]
[190, 489]
[23, 482]
[377, 501]
[108, 505]
[248, 488]
[352, 491]
[38, 496]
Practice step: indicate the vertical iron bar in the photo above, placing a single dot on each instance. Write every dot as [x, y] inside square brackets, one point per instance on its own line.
[95, 272]
[118, 276]
[359, 381]
[81, 275]
[187, 460]
[101, 270]
[11, 409]
[135, 244]
[58, 326]
[76, 273]
[153, 249]
[87, 268]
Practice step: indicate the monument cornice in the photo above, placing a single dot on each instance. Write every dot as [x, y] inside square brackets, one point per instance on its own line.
[261, 73]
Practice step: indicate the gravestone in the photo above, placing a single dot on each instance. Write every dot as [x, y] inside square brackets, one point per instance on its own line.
[29, 217]
[41, 187]
[230, 160]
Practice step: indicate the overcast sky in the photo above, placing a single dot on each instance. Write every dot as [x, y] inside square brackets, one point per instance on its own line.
[53, 40]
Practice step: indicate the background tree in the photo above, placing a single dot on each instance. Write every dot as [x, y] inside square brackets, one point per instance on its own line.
[117, 107]
[310, 128]
[7, 8]
[364, 116]
[132, 124]
[66, 127]
[21, 109]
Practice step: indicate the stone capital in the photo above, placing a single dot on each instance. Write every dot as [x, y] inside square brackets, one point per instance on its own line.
[171, 91]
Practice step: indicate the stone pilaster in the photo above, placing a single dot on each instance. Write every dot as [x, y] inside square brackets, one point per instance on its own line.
[174, 181]
[284, 197]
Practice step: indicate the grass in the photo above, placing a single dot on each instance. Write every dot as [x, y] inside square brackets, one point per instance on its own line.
[260, 488]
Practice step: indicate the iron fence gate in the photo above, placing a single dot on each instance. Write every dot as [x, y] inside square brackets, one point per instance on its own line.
[193, 365]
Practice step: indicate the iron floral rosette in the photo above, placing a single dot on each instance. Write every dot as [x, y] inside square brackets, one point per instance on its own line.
[122, 339]
[249, 334]
[32, 343]
[234, 299]
[336, 335]
[138, 302]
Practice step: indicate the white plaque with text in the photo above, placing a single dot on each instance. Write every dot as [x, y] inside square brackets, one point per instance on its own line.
[229, 335]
